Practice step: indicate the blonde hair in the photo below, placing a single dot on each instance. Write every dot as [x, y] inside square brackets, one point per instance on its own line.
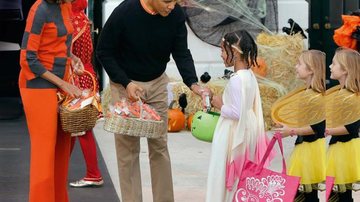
[315, 61]
[349, 61]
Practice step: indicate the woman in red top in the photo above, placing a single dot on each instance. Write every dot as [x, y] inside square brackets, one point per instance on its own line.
[82, 48]
[45, 61]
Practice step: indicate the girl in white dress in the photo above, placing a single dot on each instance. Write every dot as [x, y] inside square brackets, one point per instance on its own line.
[240, 132]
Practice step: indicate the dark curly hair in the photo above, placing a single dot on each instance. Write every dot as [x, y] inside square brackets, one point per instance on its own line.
[245, 43]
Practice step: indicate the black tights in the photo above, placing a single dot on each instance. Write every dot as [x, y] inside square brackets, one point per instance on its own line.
[312, 196]
[346, 196]
[343, 197]
[307, 197]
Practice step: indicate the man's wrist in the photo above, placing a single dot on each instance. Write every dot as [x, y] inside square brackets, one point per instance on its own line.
[126, 84]
[195, 87]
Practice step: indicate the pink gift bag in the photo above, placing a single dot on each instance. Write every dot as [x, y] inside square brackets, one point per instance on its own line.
[329, 186]
[263, 185]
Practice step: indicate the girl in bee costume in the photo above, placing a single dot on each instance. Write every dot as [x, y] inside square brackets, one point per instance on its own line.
[302, 113]
[342, 123]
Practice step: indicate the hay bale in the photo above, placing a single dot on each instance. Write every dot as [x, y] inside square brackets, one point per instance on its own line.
[281, 53]
[269, 95]
[194, 101]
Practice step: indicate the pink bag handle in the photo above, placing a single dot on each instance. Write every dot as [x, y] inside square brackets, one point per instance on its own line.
[277, 138]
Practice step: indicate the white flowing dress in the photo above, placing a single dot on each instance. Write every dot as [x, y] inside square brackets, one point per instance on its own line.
[239, 134]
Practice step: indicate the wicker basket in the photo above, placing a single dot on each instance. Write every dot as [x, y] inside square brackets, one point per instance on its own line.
[134, 126]
[84, 119]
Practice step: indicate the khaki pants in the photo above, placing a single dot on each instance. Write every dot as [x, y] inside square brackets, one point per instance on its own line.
[128, 148]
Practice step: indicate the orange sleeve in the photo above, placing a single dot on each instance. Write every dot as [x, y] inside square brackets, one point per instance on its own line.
[29, 60]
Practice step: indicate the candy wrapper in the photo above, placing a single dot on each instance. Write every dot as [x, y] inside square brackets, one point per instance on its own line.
[87, 98]
[137, 109]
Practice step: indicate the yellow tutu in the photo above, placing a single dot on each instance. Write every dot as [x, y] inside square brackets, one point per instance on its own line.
[308, 162]
[343, 161]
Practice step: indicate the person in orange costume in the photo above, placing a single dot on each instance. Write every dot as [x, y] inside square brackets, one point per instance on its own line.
[45, 60]
[343, 36]
[82, 48]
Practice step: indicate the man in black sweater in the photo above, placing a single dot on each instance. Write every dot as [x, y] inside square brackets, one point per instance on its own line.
[134, 48]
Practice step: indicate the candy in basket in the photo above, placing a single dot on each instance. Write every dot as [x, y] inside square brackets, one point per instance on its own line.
[80, 114]
[134, 119]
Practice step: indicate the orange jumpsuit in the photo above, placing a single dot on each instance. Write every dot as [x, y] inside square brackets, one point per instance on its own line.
[45, 47]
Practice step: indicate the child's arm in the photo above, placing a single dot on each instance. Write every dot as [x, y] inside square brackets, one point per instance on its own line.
[304, 131]
[315, 129]
[232, 109]
[344, 130]
[288, 131]
[337, 131]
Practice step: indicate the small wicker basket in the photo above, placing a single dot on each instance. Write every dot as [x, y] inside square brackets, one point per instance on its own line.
[79, 120]
[137, 127]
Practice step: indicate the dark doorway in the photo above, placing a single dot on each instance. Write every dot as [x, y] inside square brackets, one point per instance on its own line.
[95, 15]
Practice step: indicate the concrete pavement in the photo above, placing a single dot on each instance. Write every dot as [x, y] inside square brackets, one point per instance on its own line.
[15, 162]
[190, 161]
[189, 156]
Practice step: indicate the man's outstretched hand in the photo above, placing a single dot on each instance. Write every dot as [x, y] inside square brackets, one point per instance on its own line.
[203, 92]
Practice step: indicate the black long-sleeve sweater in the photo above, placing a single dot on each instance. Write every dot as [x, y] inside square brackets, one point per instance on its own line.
[135, 45]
